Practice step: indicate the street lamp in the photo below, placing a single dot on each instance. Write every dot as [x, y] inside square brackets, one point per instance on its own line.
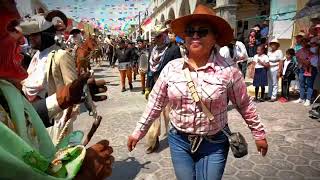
[145, 15]
[140, 24]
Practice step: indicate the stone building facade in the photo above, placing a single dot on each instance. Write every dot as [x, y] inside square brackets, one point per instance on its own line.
[239, 13]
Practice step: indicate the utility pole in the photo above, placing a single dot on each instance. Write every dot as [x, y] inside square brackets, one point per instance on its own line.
[140, 24]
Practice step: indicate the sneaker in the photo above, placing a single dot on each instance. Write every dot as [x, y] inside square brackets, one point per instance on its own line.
[281, 99]
[267, 98]
[298, 101]
[272, 100]
[123, 89]
[307, 103]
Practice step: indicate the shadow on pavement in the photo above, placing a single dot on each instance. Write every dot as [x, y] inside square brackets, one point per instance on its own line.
[126, 169]
[136, 89]
[163, 144]
[111, 76]
[248, 83]
[98, 70]
[112, 84]
[105, 65]
[99, 76]
[230, 107]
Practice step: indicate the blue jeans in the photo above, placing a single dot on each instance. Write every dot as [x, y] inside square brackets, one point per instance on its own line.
[207, 163]
[306, 84]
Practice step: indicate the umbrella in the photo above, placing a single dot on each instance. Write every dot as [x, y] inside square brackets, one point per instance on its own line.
[312, 7]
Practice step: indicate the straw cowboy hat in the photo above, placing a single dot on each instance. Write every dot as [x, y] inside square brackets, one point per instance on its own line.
[223, 30]
[302, 34]
[42, 22]
[274, 41]
[158, 29]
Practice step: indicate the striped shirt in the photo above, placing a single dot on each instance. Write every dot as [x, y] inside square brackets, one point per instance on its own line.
[217, 81]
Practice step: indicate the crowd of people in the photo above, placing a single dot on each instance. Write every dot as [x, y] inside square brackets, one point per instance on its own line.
[191, 68]
[267, 64]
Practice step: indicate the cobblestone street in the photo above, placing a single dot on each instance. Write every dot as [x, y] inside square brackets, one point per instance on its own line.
[294, 139]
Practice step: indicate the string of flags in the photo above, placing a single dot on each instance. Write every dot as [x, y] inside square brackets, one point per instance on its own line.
[115, 15]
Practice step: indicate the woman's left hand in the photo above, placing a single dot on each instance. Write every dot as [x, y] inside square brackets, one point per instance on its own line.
[262, 146]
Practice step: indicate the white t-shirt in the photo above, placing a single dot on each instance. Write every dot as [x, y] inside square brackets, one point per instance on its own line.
[238, 51]
[275, 57]
[285, 66]
[263, 58]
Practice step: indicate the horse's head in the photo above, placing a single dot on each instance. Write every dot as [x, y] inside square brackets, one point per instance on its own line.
[91, 43]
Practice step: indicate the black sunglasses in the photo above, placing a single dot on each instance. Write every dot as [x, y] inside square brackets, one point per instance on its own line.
[202, 32]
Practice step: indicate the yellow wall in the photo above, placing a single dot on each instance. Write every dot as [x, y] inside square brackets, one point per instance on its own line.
[284, 44]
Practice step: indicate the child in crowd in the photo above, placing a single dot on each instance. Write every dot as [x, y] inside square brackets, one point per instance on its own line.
[260, 79]
[287, 72]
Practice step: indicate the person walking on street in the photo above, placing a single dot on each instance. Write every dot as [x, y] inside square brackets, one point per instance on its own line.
[142, 63]
[171, 51]
[134, 58]
[123, 55]
[198, 147]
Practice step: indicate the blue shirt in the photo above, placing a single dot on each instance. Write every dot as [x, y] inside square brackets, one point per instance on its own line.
[264, 32]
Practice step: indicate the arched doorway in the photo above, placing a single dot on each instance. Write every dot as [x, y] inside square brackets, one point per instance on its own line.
[171, 14]
[162, 19]
[184, 8]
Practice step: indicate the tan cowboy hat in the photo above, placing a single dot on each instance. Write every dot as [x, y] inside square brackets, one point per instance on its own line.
[301, 34]
[158, 29]
[42, 22]
[274, 41]
[223, 30]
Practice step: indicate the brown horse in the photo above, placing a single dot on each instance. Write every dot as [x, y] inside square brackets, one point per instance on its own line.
[82, 54]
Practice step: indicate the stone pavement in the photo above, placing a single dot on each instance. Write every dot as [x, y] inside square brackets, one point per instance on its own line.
[294, 139]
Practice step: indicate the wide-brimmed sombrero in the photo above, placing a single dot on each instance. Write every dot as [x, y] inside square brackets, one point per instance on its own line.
[222, 29]
[42, 22]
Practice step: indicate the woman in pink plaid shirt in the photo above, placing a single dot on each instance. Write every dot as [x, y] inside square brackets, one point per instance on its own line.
[216, 81]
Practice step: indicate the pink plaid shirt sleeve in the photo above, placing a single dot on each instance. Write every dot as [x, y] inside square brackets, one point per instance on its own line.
[158, 99]
[237, 92]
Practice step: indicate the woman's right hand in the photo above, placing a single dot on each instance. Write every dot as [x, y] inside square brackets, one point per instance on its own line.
[132, 142]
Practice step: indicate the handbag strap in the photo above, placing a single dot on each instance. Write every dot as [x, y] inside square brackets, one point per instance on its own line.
[195, 95]
[196, 98]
